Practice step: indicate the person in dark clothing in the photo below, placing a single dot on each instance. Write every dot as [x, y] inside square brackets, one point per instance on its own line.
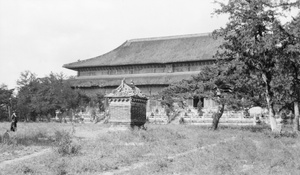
[14, 121]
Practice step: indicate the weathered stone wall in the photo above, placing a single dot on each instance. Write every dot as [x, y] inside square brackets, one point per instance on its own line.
[127, 110]
[208, 104]
[119, 110]
[92, 92]
[138, 111]
[151, 90]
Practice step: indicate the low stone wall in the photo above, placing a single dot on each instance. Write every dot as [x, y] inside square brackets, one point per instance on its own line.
[192, 117]
[158, 119]
[208, 121]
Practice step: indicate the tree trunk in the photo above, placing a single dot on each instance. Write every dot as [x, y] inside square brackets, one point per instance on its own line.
[9, 116]
[296, 103]
[296, 118]
[273, 121]
[269, 98]
[216, 117]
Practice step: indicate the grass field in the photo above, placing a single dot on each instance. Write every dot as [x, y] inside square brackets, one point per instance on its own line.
[161, 149]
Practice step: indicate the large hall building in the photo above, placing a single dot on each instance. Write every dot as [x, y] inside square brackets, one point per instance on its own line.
[150, 63]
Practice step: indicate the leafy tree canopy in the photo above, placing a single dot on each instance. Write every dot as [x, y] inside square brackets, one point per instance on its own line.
[43, 96]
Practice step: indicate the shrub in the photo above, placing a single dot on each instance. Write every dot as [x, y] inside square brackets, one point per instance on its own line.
[5, 138]
[181, 120]
[65, 144]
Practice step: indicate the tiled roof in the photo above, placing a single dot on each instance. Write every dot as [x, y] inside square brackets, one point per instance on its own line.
[155, 50]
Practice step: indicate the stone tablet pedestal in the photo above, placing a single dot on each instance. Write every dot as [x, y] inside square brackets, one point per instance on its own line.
[127, 105]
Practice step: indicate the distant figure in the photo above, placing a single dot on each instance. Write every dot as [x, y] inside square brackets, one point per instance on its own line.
[14, 121]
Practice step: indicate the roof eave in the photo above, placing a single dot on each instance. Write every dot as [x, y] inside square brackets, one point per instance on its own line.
[67, 66]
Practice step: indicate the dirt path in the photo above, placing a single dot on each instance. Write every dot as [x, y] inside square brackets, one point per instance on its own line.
[80, 134]
[141, 164]
[16, 160]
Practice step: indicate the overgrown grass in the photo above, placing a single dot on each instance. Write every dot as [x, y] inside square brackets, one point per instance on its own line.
[30, 138]
[254, 150]
[29, 134]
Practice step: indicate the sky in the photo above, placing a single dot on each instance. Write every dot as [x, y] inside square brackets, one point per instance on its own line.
[43, 35]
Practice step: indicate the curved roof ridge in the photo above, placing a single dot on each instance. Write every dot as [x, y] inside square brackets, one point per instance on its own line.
[89, 59]
[169, 37]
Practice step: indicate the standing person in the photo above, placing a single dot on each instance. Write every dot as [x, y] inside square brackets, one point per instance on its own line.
[14, 120]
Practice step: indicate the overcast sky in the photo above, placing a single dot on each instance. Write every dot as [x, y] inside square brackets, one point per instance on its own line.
[42, 35]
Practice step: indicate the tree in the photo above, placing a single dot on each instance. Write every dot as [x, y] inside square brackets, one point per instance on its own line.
[27, 86]
[290, 66]
[294, 50]
[39, 97]
[26, 78]
[224, 83]
[251, 37]
[5, 102]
